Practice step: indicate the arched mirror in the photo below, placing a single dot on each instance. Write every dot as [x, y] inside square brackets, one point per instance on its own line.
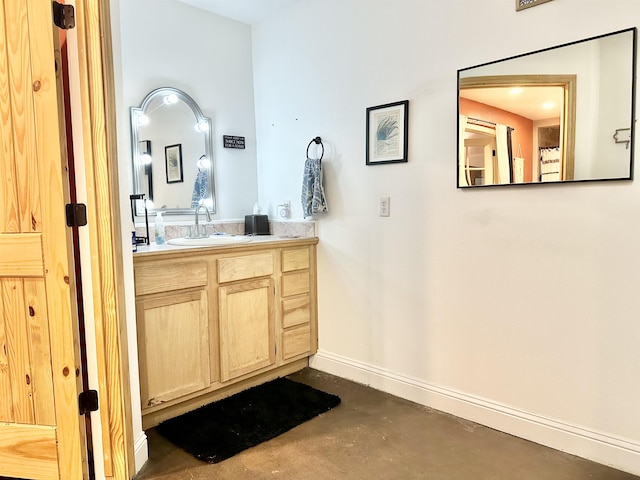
[558, 115]
[172, 153]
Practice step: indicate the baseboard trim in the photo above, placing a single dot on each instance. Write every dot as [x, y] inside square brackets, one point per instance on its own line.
[600, 447]
[140, 451]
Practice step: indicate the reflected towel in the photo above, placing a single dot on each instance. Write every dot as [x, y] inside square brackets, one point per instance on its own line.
[313, 200]
[200, 188]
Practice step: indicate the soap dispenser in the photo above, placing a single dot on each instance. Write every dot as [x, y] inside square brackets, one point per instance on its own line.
[159, 229]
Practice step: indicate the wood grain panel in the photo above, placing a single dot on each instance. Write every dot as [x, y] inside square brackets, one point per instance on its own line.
[296, 341]
[247, 328]
[21, 255]
[8, 190]
[151, 278]
[18, 350]
[39, 352]
[248, 266]
[296, 310]
[295, 283]
[173, 341]
[29, 448]
[295, 259]
[48, 216]
[22, 111]
[6, 399]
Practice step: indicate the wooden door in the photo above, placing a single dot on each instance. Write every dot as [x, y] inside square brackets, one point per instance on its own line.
[40, 433]
[247, 327]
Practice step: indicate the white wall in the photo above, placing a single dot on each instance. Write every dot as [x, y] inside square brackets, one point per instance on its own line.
[515, 307]
[163, 43]
[169, 44]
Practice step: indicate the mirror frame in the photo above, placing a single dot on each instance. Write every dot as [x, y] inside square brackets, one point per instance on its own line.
[568, 110]
[135, 113]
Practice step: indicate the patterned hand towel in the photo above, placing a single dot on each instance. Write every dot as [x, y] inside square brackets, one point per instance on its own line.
[313, 200]
[200, 188]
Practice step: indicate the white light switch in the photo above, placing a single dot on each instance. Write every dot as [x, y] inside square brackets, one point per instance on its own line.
[385, 209]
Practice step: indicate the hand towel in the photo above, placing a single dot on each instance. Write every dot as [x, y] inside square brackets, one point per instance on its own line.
[200, 188]
[313, 200]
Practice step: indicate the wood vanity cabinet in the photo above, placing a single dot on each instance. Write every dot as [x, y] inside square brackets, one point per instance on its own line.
[215, 321]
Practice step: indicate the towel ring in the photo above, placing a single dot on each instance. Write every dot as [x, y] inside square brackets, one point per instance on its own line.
[317, 141]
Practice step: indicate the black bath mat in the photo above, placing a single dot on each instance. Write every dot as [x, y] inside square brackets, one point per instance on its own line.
[219, 430]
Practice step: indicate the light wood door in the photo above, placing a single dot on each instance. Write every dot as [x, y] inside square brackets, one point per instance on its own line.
[173, 346]
[40, 434]
[247, 327]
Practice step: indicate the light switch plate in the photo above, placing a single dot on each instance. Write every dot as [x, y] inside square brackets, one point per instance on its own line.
[385, 206]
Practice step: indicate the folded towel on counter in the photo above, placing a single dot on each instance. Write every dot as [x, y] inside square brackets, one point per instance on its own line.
[313, 200]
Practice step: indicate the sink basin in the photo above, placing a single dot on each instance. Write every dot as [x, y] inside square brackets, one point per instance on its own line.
[210, 241]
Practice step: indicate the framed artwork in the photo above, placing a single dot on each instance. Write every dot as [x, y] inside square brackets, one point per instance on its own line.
[522, 4]
[387, 133]
[173, 163]
[145, 156]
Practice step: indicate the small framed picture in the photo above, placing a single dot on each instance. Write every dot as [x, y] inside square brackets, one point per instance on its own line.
[173, 163]
[522, 4]
[387, 133]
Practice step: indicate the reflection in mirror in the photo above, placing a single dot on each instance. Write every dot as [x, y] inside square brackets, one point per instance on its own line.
[549, 116]
[172, 153]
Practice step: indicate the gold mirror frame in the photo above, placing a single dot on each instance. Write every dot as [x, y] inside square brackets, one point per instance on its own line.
[567, 109]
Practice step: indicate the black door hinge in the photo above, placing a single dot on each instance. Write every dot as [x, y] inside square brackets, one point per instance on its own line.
[76, 214]
[88, 401]
[64, 16]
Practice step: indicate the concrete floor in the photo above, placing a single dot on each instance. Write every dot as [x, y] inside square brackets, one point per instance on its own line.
[373, 435]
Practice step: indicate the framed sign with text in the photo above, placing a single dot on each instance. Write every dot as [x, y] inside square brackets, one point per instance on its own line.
[522, 4]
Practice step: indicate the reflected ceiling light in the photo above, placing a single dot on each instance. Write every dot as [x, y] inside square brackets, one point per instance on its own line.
[202, 126]
[145, 159]
[143, 119]
[170, 99]
[548, 105]
[203, 162]
[515, 91]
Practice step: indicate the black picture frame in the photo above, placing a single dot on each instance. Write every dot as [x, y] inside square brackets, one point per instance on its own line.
[387, 133]
[145, 149]
[173, 163]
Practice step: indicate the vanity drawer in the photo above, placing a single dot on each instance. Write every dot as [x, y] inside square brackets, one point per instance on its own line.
[296, 311]
[295, 283]
[295, 259]
[247, 266]
[167, 276]
[296, 341]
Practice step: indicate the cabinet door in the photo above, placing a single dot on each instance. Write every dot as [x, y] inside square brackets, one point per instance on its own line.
[173, 346]
[247, 327]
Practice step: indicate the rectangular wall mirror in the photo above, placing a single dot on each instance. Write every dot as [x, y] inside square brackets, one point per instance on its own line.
[563, 114]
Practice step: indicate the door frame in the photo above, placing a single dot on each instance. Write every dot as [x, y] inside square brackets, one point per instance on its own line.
[103, 250]
[568, 83]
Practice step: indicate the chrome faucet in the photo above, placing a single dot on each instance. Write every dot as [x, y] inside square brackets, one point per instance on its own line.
[197, 233]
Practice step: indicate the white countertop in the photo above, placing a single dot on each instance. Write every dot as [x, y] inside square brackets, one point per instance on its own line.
[254, 240]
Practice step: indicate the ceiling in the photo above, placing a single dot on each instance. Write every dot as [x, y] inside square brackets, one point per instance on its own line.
[527, 103]
[245, 11]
